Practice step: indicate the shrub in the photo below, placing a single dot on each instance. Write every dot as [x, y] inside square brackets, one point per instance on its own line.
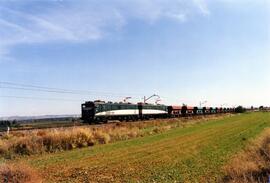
[101, 137]
[19, 173]
[252, 164]
[240, 109]
[161, 129]
[27, 146]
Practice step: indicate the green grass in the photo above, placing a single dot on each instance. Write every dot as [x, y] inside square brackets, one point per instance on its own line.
[193, 154]
[40, 124]
[44, 124]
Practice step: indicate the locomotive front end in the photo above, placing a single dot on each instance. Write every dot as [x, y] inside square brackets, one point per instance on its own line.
[88, 112]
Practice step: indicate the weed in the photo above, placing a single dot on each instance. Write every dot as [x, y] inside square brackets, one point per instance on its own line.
[19, 173]
[251, 164]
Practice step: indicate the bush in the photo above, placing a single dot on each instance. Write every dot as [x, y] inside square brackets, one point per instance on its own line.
[240, 109]
[11, 173]
[252, 164]
[161, 129]
[101, 137]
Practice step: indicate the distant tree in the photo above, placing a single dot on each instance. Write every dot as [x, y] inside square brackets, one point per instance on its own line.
[261, 108]
[5, 123]
[184, 110]
[240, 109]
[14, 122]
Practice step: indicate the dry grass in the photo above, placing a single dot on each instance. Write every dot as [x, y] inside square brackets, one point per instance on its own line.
[252, 164]
[61, 139]
[18, 173]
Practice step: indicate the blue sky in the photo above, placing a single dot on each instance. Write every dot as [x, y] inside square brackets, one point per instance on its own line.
[186, 51]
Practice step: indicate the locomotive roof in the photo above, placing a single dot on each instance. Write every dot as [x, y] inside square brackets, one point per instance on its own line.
[123, 103]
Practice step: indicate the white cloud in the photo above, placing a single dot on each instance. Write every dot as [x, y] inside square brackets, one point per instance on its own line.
[202, 5]
[154, 10]
[4, 54]
[57, 25]
[83, 21]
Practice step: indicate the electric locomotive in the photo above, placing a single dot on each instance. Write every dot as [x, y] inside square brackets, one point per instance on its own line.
[100, 111]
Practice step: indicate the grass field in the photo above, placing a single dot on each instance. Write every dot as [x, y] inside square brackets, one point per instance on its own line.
[41, 124]
[193, 154]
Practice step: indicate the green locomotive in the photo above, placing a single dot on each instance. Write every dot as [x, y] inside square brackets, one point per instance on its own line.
[100, 111]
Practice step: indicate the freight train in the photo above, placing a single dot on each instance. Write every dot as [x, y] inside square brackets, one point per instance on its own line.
[100, 111]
